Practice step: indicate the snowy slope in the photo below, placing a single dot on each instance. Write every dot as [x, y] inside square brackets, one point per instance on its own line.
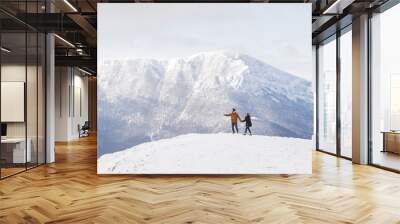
[144, 99]
[221, 153]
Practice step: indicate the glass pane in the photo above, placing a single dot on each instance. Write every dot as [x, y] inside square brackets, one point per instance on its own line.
[346, 93]
[314, 65]
[23, 90]
[31, 100]
[327, 96]
[13, 86]
[41, 98]
[386, 89]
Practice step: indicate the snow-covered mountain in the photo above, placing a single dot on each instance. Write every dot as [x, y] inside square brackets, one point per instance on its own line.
[220, 153]
[144, 99]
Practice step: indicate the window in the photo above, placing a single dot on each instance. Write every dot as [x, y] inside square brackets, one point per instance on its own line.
[385, 89]
[327, 96]
[346, 94]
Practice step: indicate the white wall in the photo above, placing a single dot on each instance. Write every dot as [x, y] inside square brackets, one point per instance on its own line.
[70, 83]
[16, 73]
[79, 117]
[12, 73]
[62, 81]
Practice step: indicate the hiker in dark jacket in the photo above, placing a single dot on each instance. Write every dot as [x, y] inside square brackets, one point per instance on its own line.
[247, 119]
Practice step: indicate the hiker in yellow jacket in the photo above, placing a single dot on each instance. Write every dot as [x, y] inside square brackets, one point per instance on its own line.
[234, 120]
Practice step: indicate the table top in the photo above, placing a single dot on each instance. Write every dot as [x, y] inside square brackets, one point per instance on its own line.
[391, 132]
[13, 140]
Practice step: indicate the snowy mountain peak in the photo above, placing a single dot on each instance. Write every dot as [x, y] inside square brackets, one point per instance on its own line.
[202, 71]
[217, 53]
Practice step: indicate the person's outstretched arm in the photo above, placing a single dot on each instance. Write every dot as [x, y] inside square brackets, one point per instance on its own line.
[227, 114]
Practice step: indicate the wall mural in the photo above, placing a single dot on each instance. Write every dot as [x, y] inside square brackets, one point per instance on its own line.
[205, 89]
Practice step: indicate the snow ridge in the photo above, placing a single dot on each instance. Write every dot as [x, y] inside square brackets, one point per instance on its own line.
[212, 154]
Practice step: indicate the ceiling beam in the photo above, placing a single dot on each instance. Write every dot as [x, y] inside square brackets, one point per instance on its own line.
[338, 6]
[86, 26]
[82, 61]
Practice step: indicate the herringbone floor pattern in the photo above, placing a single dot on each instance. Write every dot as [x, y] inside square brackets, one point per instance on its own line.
[70, 191]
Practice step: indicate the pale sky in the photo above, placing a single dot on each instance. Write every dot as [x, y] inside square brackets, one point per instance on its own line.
[278, 34]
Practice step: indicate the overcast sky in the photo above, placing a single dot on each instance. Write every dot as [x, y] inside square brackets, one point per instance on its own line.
[278, 34]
